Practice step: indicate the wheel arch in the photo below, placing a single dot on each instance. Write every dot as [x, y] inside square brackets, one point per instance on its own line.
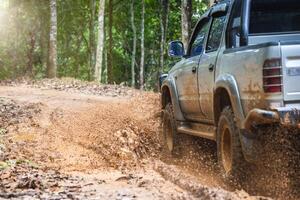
[169, 95]
[226, 93]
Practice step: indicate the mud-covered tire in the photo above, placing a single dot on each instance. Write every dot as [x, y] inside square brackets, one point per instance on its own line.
[169, 132]
[230, 155]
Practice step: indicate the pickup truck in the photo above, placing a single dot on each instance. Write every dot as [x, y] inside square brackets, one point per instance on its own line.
[240, 71]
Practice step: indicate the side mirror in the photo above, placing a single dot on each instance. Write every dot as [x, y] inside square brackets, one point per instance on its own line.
[176, 49]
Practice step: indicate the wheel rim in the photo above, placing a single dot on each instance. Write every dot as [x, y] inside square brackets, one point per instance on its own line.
[226, 149]
[169, 135]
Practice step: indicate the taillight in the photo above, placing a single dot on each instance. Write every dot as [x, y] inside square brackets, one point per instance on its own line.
[272, 75]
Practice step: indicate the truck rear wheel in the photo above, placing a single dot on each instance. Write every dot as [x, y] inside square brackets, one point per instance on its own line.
[170, 135]
[230, 155]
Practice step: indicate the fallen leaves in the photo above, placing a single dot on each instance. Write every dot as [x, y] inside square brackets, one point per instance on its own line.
[74, 86]
[13, 113]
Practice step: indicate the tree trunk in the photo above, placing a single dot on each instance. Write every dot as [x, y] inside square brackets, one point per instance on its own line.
[100, 46]
[164, 28]
[134, 46]
[52, 53]
[32, 42]
[142, 64]
[186, 21]
[105, 64]
[43, 40]
[110, 46]
[92, 38]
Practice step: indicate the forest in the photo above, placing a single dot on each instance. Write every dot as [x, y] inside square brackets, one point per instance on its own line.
[112, 41]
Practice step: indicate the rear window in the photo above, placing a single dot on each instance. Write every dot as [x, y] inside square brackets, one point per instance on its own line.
[274, 16]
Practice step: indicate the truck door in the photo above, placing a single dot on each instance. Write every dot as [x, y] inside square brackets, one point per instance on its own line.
[206, 70]
[186, 78]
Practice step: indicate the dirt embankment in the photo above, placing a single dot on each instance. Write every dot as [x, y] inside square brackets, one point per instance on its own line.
[67, 140]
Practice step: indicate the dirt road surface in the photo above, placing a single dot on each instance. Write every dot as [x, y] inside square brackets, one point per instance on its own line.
[89, 143]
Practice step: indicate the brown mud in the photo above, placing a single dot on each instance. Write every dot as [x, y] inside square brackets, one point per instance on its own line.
[72, 140]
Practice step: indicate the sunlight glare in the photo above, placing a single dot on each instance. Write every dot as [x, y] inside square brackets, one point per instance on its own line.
[3, 9]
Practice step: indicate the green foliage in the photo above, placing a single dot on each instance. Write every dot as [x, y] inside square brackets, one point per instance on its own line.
[28, 20]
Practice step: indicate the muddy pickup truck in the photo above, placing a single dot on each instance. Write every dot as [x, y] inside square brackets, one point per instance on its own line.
[240, 71]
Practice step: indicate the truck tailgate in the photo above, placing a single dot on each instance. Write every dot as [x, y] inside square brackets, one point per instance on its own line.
[291, 71]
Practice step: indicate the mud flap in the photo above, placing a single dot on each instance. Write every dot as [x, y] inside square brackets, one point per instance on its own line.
[250, 146]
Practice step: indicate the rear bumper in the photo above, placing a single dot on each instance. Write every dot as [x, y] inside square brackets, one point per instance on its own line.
[285, 116]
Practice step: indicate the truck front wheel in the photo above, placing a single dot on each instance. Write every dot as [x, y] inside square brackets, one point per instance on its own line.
[230, 155]
[170, 138]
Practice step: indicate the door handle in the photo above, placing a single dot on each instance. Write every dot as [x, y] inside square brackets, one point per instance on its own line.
[194, 70]
[211, 67]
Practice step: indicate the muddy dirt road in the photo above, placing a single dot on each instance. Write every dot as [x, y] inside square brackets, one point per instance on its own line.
[98, 145]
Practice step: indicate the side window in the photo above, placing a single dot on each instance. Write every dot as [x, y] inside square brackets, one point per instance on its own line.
[215, 34]
[234, 26]
[197, 45]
